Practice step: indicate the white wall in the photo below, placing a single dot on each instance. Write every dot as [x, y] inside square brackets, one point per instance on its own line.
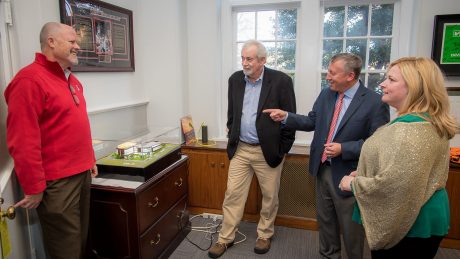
[160, 57]
[123, 87]
[179, 61]
[424, 28]
[178, 53]
[204, 64]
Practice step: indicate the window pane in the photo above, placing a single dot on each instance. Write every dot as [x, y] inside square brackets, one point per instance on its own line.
[379, 53]
[357, 47]
[287, 24]
[286, 55]
[333, 21]
[330, 48]
[271, 54]
[238, 56]
[324, 83]
[382, 20]
[357, 20]
[266, 25]
[246, 26]
[374, 79]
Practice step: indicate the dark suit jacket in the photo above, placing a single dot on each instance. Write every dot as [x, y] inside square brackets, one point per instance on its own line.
[364, 115]
[277, 92]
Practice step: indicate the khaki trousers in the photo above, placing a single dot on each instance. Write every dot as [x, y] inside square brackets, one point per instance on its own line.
[247, 161]
[64, 216]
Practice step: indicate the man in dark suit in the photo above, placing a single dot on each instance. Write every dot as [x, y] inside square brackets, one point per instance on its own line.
[343, 117]
[256, 144]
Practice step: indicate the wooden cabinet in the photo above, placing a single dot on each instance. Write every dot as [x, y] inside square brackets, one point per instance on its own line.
[208, 177]
[453, 190]
[141, 222]
[208, 171]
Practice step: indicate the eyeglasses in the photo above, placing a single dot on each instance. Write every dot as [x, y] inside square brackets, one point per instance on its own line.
[74, 95]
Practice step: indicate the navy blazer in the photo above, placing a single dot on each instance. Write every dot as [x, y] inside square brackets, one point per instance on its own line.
[277, 92]
[365, 114]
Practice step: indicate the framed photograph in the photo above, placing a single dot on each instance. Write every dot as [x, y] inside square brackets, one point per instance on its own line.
[104, 34]
[446, 43]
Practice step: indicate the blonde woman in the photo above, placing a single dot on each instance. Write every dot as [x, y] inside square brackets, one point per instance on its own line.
[400, 182]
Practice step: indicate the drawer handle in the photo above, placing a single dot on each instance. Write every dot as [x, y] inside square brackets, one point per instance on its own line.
[213, 164]
[153, 205]
[222, 165]
[153, 243]
[178, 183]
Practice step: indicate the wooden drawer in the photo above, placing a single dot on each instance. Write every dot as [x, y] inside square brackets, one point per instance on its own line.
[158, 237]
[158, 198]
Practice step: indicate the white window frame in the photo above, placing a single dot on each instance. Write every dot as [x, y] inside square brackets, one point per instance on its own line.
[258, 8]
[394, 36]
[309, 43]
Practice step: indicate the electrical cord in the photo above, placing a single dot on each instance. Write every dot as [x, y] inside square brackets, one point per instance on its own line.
[211, 229]
[181, 228]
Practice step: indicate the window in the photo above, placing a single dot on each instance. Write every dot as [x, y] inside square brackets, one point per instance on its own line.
[276, 28]
[365, 30]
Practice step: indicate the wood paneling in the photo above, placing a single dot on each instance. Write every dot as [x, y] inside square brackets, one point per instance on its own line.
[208, 183]
[453, 190]
[208, 171]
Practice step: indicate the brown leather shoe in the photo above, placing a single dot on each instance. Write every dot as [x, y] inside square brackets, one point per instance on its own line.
[262, 245]
[218, 249]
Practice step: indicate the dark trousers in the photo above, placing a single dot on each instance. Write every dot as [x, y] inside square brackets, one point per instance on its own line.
[64, 216]
[411, 247]
[334, 213]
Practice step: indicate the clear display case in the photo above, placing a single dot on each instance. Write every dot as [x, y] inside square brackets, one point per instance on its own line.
[138, 158]
[156, 135]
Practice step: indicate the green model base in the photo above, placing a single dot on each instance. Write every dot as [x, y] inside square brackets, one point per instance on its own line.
[137, 160]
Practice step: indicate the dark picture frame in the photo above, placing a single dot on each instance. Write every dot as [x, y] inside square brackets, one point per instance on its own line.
[104, 34]
[446, 43]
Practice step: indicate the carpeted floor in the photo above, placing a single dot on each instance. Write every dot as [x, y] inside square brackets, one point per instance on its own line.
[287, 243]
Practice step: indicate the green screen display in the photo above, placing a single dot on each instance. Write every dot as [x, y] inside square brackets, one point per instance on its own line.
[450, 53]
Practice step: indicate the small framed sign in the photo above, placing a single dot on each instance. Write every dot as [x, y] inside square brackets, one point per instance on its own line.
[104, 34]
[446, 43]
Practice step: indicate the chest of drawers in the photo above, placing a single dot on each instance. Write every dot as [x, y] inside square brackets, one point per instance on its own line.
[141, 222]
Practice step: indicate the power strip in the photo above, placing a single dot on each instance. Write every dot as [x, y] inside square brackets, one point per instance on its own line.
[212, 216]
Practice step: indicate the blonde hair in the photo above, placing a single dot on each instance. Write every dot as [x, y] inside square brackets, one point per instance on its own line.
[427, 94]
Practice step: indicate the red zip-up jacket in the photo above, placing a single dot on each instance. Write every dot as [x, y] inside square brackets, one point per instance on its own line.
[48, 134]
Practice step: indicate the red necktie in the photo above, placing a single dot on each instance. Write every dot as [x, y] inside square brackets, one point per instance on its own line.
[338, 107]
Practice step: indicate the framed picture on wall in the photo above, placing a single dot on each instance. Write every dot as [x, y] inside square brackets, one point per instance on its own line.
[104, 34]
[446, 43]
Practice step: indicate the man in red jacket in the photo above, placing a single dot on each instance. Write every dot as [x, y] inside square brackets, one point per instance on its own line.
[49, 138]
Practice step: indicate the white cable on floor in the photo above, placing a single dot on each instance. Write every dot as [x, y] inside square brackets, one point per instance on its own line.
[209, 229]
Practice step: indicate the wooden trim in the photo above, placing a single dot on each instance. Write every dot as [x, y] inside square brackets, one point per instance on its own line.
[453, 89]
[281, 220]
[450, 243]
[452, 240]
[199, 210]
[296, 222]
[303, 223]
[296, 150]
